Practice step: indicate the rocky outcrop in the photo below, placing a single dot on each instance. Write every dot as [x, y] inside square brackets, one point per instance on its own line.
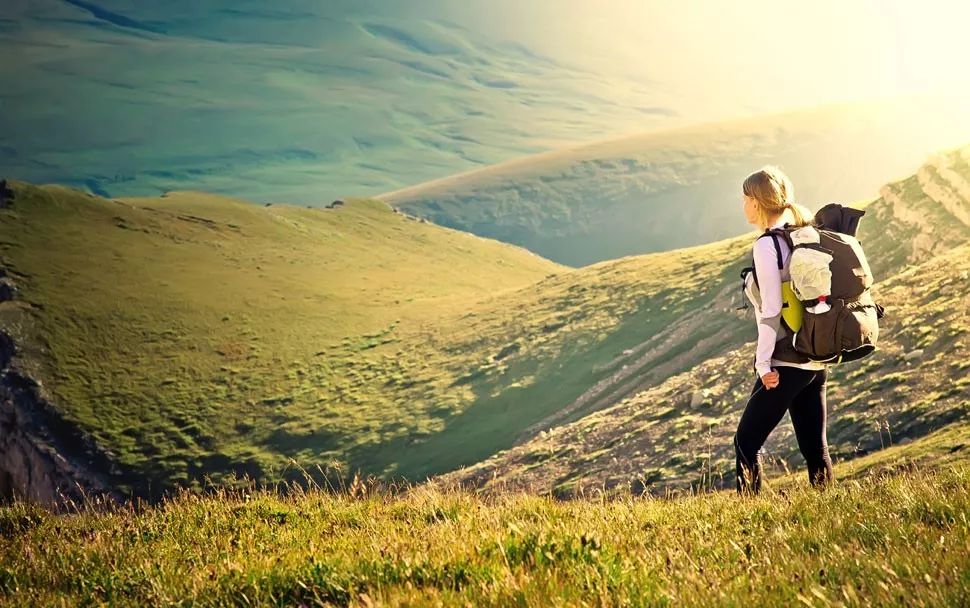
[6, 194]
[923, 244]
[946, 186]
[44, 457]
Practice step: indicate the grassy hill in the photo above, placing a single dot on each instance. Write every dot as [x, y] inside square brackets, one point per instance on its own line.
[897, 534]
[302, 103]
[622, 196]
[916, 237]
[678, 433]
[197, 336]
[193, 333]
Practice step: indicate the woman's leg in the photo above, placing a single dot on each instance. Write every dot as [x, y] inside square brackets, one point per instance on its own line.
[763, 412]
[808, 417]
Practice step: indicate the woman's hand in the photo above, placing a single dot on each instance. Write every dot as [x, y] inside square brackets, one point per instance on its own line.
[771, 379]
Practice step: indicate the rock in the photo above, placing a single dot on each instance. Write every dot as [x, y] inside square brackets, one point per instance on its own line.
[913, 355]
[6, 194]
[8, 291]
[700, 398]
[43, 458]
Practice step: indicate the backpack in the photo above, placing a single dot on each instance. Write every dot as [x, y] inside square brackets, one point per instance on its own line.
[829, 304]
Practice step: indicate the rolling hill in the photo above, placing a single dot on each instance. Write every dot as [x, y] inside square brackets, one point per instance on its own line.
[175, 327]
[621, 196]
[678, 432]
[194, 337]
[206, 337]
[302, 102]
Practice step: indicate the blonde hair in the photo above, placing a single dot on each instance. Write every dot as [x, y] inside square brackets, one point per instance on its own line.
[773, 192]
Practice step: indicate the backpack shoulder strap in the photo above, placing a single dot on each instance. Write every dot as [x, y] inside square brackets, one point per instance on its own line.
[774, 233]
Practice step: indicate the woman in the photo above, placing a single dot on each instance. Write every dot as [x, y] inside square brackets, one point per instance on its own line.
[786, 379]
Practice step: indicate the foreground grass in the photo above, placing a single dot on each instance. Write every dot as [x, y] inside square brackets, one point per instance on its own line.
[882, 540]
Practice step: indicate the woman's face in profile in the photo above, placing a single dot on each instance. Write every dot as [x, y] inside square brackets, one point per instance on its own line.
[750, 209]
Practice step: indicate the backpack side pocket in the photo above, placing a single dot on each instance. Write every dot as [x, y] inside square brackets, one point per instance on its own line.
[817, 337]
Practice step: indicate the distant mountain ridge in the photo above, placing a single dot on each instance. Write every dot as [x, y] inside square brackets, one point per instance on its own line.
[680, 187]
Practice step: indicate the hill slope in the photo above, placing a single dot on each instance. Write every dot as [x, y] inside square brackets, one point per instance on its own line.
[193, 333]
[194, 336]
[678, 432]
[621, 196]
[309, 101]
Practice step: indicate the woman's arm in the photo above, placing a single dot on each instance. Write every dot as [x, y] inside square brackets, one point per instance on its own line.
[769, 284]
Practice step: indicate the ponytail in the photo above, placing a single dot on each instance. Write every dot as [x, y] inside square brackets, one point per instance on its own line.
[802, 215]
[774, 192]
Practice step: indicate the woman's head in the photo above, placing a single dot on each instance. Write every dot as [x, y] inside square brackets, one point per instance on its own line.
[767, 193]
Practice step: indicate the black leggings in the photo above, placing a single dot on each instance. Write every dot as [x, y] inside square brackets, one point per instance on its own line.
[802, 393]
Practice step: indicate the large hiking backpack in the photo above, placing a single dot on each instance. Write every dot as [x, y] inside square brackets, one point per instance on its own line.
[831, 281]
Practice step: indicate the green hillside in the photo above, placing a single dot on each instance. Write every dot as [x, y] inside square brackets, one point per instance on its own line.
[196, 336]
[622, 196]
[898, 535]
[193, 335]
[202, 336]
[678, 432]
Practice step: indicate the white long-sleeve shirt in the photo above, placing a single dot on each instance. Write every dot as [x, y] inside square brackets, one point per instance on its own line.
[768, 314]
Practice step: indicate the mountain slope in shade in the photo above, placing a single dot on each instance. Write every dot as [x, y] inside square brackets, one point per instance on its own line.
[304, 102]
[623, 196]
